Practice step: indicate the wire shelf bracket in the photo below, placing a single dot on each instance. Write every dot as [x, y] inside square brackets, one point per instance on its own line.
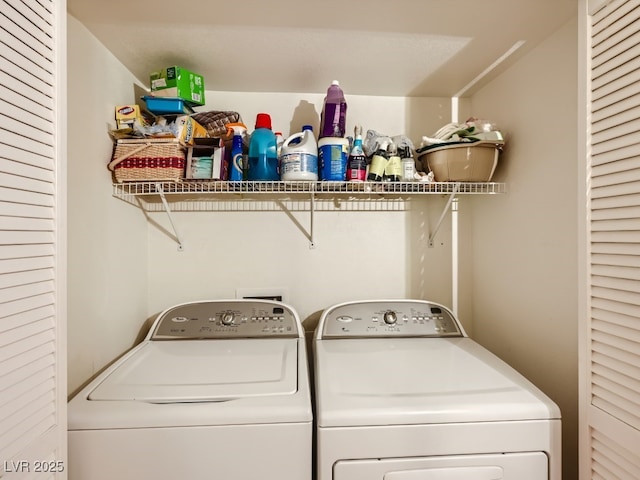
[447, 207]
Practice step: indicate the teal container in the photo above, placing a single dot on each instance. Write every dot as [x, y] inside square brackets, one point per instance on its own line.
[263, 155]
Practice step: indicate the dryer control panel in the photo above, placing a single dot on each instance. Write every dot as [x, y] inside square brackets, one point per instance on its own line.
[226, 319]
[401, 318]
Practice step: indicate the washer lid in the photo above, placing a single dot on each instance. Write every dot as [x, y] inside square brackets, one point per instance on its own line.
[420, 381]
[203, 371]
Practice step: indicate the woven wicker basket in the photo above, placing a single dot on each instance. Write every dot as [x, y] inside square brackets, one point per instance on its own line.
[148, 159]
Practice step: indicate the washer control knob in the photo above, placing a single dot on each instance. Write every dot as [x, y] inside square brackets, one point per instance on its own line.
[390, 317]
[227, 318]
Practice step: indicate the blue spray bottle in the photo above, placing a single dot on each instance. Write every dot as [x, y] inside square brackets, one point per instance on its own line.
[237, 166]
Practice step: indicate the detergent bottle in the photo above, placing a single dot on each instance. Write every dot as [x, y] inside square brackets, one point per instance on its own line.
[299, 157]
[263, 156]
[237, 166]
[333, 118]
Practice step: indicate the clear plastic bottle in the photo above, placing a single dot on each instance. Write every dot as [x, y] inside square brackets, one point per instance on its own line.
[333, 118]
[408, 165]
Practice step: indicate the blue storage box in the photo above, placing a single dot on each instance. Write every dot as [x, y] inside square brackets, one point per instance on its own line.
[167, 106]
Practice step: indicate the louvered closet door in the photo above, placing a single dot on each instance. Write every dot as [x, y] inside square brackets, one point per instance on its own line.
[613, 403]
[32, 239]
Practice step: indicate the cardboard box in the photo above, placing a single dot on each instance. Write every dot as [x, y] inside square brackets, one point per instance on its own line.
[188, 130]
[178, 82]
[205, 159]
[126, 115]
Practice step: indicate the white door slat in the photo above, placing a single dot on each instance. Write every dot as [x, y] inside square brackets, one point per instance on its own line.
[608, 248]
[26, 264]
[9, 237]
[39, 120]
[616, 190]
[20, 155]
[28, 171]
[23, 305]
[29, 432]
[30, 198]
[616, 124]
[16, 91]
[25, 291]
[26, 183]
[615, 155]
[38, 15]
[617, 260]
[28, 423]
[27, 370]
[8, 209]
[26, 136]
[618, 213]
[12, 350]
[23, 67]
[26, 224]
[20, 319]
[25, 358]
[620, 143]
[24, 278]
[13, 396]
[621, 165]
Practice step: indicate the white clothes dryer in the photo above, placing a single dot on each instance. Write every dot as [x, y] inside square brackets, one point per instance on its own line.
[218, 389]
[403, 394]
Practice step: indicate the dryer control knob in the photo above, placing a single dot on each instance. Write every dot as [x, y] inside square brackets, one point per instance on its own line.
[390, 317]
[227, 318]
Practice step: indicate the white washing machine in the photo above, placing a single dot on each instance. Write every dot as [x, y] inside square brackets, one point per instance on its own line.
[217, 390]
[403, 394]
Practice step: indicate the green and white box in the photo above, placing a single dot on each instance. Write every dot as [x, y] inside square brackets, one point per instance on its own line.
[178, 82]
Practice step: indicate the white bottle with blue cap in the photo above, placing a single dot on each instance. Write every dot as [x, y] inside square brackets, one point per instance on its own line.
[299, 156]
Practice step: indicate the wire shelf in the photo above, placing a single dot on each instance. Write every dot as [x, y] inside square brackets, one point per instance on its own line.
[289, 196]
[132, 189]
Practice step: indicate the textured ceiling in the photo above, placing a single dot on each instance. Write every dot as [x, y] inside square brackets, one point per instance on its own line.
[430, 48]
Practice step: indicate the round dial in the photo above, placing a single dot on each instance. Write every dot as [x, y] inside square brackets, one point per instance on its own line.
[227, 318]
[390, 317]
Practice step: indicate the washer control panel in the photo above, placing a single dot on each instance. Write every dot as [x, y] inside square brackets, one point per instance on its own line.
[226, 319]
[401, 318]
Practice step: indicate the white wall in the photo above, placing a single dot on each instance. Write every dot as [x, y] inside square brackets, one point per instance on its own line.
[107, 239]
[357, 254]
[524, 244]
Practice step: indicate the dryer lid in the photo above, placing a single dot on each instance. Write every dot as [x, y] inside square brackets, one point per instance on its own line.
[420, 381]
[203, 371]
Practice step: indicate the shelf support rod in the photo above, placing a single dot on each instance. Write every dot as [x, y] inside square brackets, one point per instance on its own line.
[454, 256]
[456, 189]
[312, 204]
[168, 210]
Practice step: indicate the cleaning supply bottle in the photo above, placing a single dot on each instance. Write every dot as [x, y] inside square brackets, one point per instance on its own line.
[378, 163]
[299, 157]
[263, 156]
[393, 170]
[357, 161]
[333, 118]
[279, 142]
[408, 165]
[236, 166]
